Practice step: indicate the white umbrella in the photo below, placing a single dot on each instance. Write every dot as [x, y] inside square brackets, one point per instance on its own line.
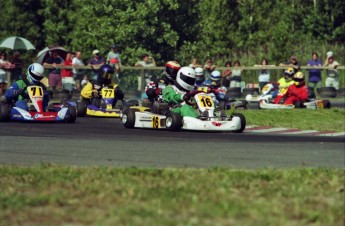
[45, 53]
[15, 42]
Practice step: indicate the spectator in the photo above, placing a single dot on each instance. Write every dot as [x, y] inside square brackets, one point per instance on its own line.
[4, 64]
[314, 74]
[113, 58]
[236, 79]
[194, 64]
[264, 73]
[66, 74]
[96, 62]
[18, 63]
[292, 63]
[146, 62]
[226, 75]
[77, 73]
[208, 68]
[54, 79]
[332, 79]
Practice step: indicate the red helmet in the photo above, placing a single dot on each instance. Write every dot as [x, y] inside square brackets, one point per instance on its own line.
[171, 69]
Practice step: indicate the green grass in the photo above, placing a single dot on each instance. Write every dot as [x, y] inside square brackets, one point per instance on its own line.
[57, 195]
[321, 120]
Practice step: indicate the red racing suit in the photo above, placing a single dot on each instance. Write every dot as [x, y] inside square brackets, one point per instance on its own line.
[293, 94]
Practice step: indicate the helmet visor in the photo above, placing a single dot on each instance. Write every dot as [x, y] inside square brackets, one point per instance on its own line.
[186, 79]
[36, 77]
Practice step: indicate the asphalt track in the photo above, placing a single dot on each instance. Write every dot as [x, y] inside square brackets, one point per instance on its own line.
[105, 142]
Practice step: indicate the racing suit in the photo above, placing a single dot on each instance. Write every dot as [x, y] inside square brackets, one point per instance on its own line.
[279, 94]
[172, 95]
[18, 93]
[296, 93]
[91, 93]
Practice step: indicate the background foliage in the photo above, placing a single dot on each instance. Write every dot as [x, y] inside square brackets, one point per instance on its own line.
[169, 29]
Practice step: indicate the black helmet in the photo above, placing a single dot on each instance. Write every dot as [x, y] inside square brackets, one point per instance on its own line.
[105, 74]
[170, 71]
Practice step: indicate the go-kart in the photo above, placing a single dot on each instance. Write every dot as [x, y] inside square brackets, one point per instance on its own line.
[314, 104]
[36, 113]
[103, 106]
[166, 119]
[266, 93]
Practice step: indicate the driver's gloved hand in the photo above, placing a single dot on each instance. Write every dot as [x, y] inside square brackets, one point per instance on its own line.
[18, 92]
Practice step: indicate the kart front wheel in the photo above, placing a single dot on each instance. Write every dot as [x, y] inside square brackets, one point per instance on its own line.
[243, 122]
[173, 121]
[5, 112]
[72, 114]
[128, 117]
[81, 108]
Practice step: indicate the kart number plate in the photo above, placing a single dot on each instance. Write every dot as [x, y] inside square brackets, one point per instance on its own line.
[265, 88]
[320, 104]
[283, 90]
[155, 122]
[35, 91]
[108, 93]
[205, 101]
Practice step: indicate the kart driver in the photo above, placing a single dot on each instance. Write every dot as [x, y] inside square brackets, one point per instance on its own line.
[200, 77]
[297, 91]
[214, 84]
[283, 85]
[18, 93]
[181, 91]
[154, 89]
[91, 93]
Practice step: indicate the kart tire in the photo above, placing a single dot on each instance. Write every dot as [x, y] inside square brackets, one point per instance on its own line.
[299, 104]
[173, 121]
[252, 91]
[243, 122]
[234, 92]
[327, 92]
[128, 117]
[5, 112]
[81, 108]
[326, 104]
[72, 114]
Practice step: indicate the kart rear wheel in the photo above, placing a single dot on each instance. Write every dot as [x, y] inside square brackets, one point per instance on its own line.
[128, 117]
[173, 121]
[81, 108]
[243, 122]
[299, 104]
[72, 114]
[4, 112]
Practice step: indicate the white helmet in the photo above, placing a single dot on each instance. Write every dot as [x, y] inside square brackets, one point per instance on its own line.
[215, 76]
[35, 73]
[185, 79]
[199, 74]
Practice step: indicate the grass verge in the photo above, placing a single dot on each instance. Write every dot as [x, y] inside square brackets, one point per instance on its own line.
[321, 120]
[60, 195]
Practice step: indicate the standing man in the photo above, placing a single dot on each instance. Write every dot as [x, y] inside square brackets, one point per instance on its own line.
[332, 79]
[54, 79]
[146, 62]
[77, 73]
[96, 62]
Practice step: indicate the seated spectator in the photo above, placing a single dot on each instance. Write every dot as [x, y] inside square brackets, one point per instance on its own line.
[332, 79]
[292, 63]
[208, 68]
[236, 79]
[314, 74]
[226, 75]
[194, 64]
[264, 73]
